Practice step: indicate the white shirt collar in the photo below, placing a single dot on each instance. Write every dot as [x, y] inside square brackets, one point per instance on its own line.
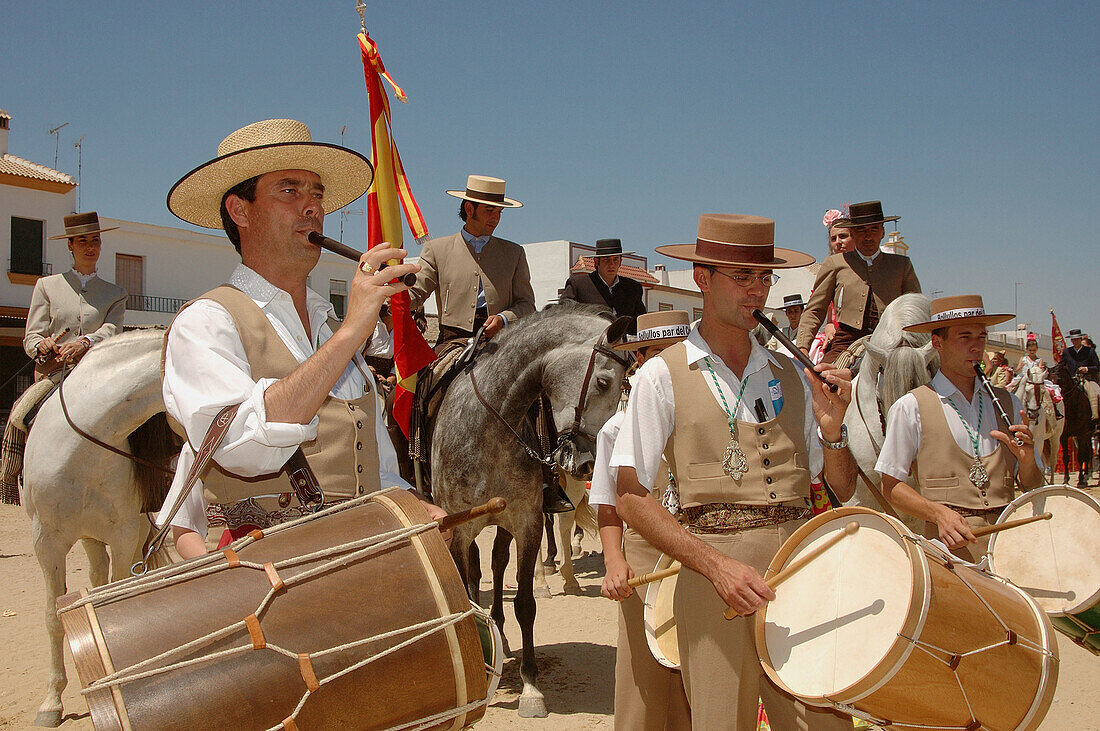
[868, 260]
[942, 385]
[264, 292]
[84, 278]
[698, 348]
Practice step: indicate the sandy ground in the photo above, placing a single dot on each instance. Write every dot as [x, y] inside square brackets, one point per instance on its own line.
[575, 637]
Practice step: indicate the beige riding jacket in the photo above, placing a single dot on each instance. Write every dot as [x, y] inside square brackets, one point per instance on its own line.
[93, 310]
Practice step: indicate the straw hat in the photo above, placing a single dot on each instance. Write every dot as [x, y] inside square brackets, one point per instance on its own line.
[483, 189]
[792, 300]
[264, 147]
[730, 239]
[658, 328]
[965, 309]
[82, 224]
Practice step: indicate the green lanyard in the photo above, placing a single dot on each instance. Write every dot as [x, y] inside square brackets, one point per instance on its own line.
[975, 436]
[731, 416]
[734, 463]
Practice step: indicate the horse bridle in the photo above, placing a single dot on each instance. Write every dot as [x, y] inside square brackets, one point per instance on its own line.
[573, 431]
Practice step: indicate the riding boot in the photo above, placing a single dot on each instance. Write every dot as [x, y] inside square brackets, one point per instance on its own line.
[554, 499]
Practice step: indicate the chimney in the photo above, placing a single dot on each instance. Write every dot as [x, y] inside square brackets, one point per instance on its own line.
[5, 118]
[661, 274]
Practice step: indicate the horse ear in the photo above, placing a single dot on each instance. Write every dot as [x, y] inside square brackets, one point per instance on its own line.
[617, 330]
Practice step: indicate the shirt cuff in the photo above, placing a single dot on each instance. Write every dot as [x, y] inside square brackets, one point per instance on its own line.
[278, 434]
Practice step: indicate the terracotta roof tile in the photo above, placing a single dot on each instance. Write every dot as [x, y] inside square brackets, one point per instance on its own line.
[13, 165]
[588, 264]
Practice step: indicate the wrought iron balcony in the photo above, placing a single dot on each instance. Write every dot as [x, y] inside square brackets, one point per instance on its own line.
[149, 303]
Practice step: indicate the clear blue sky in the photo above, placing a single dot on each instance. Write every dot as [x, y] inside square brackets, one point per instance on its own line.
[975, 122]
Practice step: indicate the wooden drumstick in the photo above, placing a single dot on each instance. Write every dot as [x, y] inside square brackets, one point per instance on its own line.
[979, 532]
[654, 576]
[494, 505]
[800, 563]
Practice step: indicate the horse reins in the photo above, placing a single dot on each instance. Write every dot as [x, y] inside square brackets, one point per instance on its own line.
[99, 442]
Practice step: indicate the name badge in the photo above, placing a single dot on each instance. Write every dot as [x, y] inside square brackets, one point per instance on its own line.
[776, 392]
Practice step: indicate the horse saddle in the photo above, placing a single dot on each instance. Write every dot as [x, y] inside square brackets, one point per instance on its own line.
[27, 405]
[454, 358]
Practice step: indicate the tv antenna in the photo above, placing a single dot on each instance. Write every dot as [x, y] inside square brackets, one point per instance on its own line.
[79, 163]
[56, 132]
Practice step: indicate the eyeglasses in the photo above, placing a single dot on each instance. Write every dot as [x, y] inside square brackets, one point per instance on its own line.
[747, 280]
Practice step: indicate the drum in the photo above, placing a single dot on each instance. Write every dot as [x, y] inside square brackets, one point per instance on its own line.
[660, 623]
[1055, 560]
[887, 627]
[354, 617]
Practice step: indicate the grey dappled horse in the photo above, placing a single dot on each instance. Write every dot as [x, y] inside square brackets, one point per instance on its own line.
[75, 490]
[476, 457]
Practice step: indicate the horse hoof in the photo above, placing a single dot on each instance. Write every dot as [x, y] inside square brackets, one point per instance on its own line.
[550, 566]
[532, 707]
[49, 719]
[542, 592]
[573, 589]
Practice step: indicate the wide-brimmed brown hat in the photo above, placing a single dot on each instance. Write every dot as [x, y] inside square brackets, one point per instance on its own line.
[736, 240]
[865, 214]
[963, 309]
[483, 189]
[265, 147]
[82, 224]
[658, 328]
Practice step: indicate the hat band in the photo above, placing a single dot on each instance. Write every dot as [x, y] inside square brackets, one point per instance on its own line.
[736, 253]
[663, 331]
[85, 228]
[956, 314]
[484, 196]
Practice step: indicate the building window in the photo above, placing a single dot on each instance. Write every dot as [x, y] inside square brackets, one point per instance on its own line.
[26, 246]
[664, 307]
[696, 313]
[338, 296]
[130, 275]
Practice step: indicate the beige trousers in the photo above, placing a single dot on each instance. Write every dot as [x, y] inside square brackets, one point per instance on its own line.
[648, 696]
[719, 661]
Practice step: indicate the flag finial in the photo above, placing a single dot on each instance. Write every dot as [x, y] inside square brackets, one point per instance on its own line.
[361, 7]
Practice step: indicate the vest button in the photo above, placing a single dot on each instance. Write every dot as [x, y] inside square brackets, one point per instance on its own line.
[765, 446]
[769, 481]
[360, 489]
[358, 468]
[351, 407]
[767, 461]
[358, 425]
[772, 496]
[358, 445]
[760, 430]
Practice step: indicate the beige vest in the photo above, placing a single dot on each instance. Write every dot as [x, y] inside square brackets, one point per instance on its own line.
[344, 456]
[941, 470]
[775, 450]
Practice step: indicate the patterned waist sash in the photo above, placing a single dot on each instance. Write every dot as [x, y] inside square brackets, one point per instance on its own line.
[990, 514]
[732, 517]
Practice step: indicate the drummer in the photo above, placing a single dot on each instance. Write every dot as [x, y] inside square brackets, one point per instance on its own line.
[648, 695]
[946, 458]
[738, 425]
[273, 346]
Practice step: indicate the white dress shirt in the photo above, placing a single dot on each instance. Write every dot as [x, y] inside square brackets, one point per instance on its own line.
[903, 432]
[603, 478]
[650, 413]
[205, 369]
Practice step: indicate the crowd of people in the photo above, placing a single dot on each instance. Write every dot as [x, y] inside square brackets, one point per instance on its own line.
[711, 461]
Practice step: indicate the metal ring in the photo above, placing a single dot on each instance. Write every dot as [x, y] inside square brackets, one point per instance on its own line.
[365, 267]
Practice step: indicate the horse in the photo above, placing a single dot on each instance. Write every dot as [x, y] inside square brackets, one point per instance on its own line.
[76, 490]
[584, 518]
[1043, 419]
[1078, 422]
[894, 363]
[482, 437]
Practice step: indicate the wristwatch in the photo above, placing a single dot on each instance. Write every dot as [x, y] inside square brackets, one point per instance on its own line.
[87, 343]
[842, 444]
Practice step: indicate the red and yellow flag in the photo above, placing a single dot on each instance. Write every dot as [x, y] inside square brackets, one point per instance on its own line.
[1058, 343]
[389, 189]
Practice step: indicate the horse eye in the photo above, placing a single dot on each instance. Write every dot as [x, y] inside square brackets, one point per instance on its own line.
[603, 382]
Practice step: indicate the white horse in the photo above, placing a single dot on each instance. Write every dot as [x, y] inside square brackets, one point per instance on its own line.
[75, 490]
[894, 363]
[1044, 420]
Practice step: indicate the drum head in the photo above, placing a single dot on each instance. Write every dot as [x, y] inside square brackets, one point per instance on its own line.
[660, 622]
[835, 623]
[492, 649]
[1052, 560]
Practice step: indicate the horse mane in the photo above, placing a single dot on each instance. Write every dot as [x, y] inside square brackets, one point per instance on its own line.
[904, 357]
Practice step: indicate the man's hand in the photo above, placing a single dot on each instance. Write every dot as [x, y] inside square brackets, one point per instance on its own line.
[1082, 370]
[617, 573]
[72, 350]
[437, 513]
[829, 407]
[953, 528]
[372, 285]
[830, 332]
[740, 586]
[492, 326]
